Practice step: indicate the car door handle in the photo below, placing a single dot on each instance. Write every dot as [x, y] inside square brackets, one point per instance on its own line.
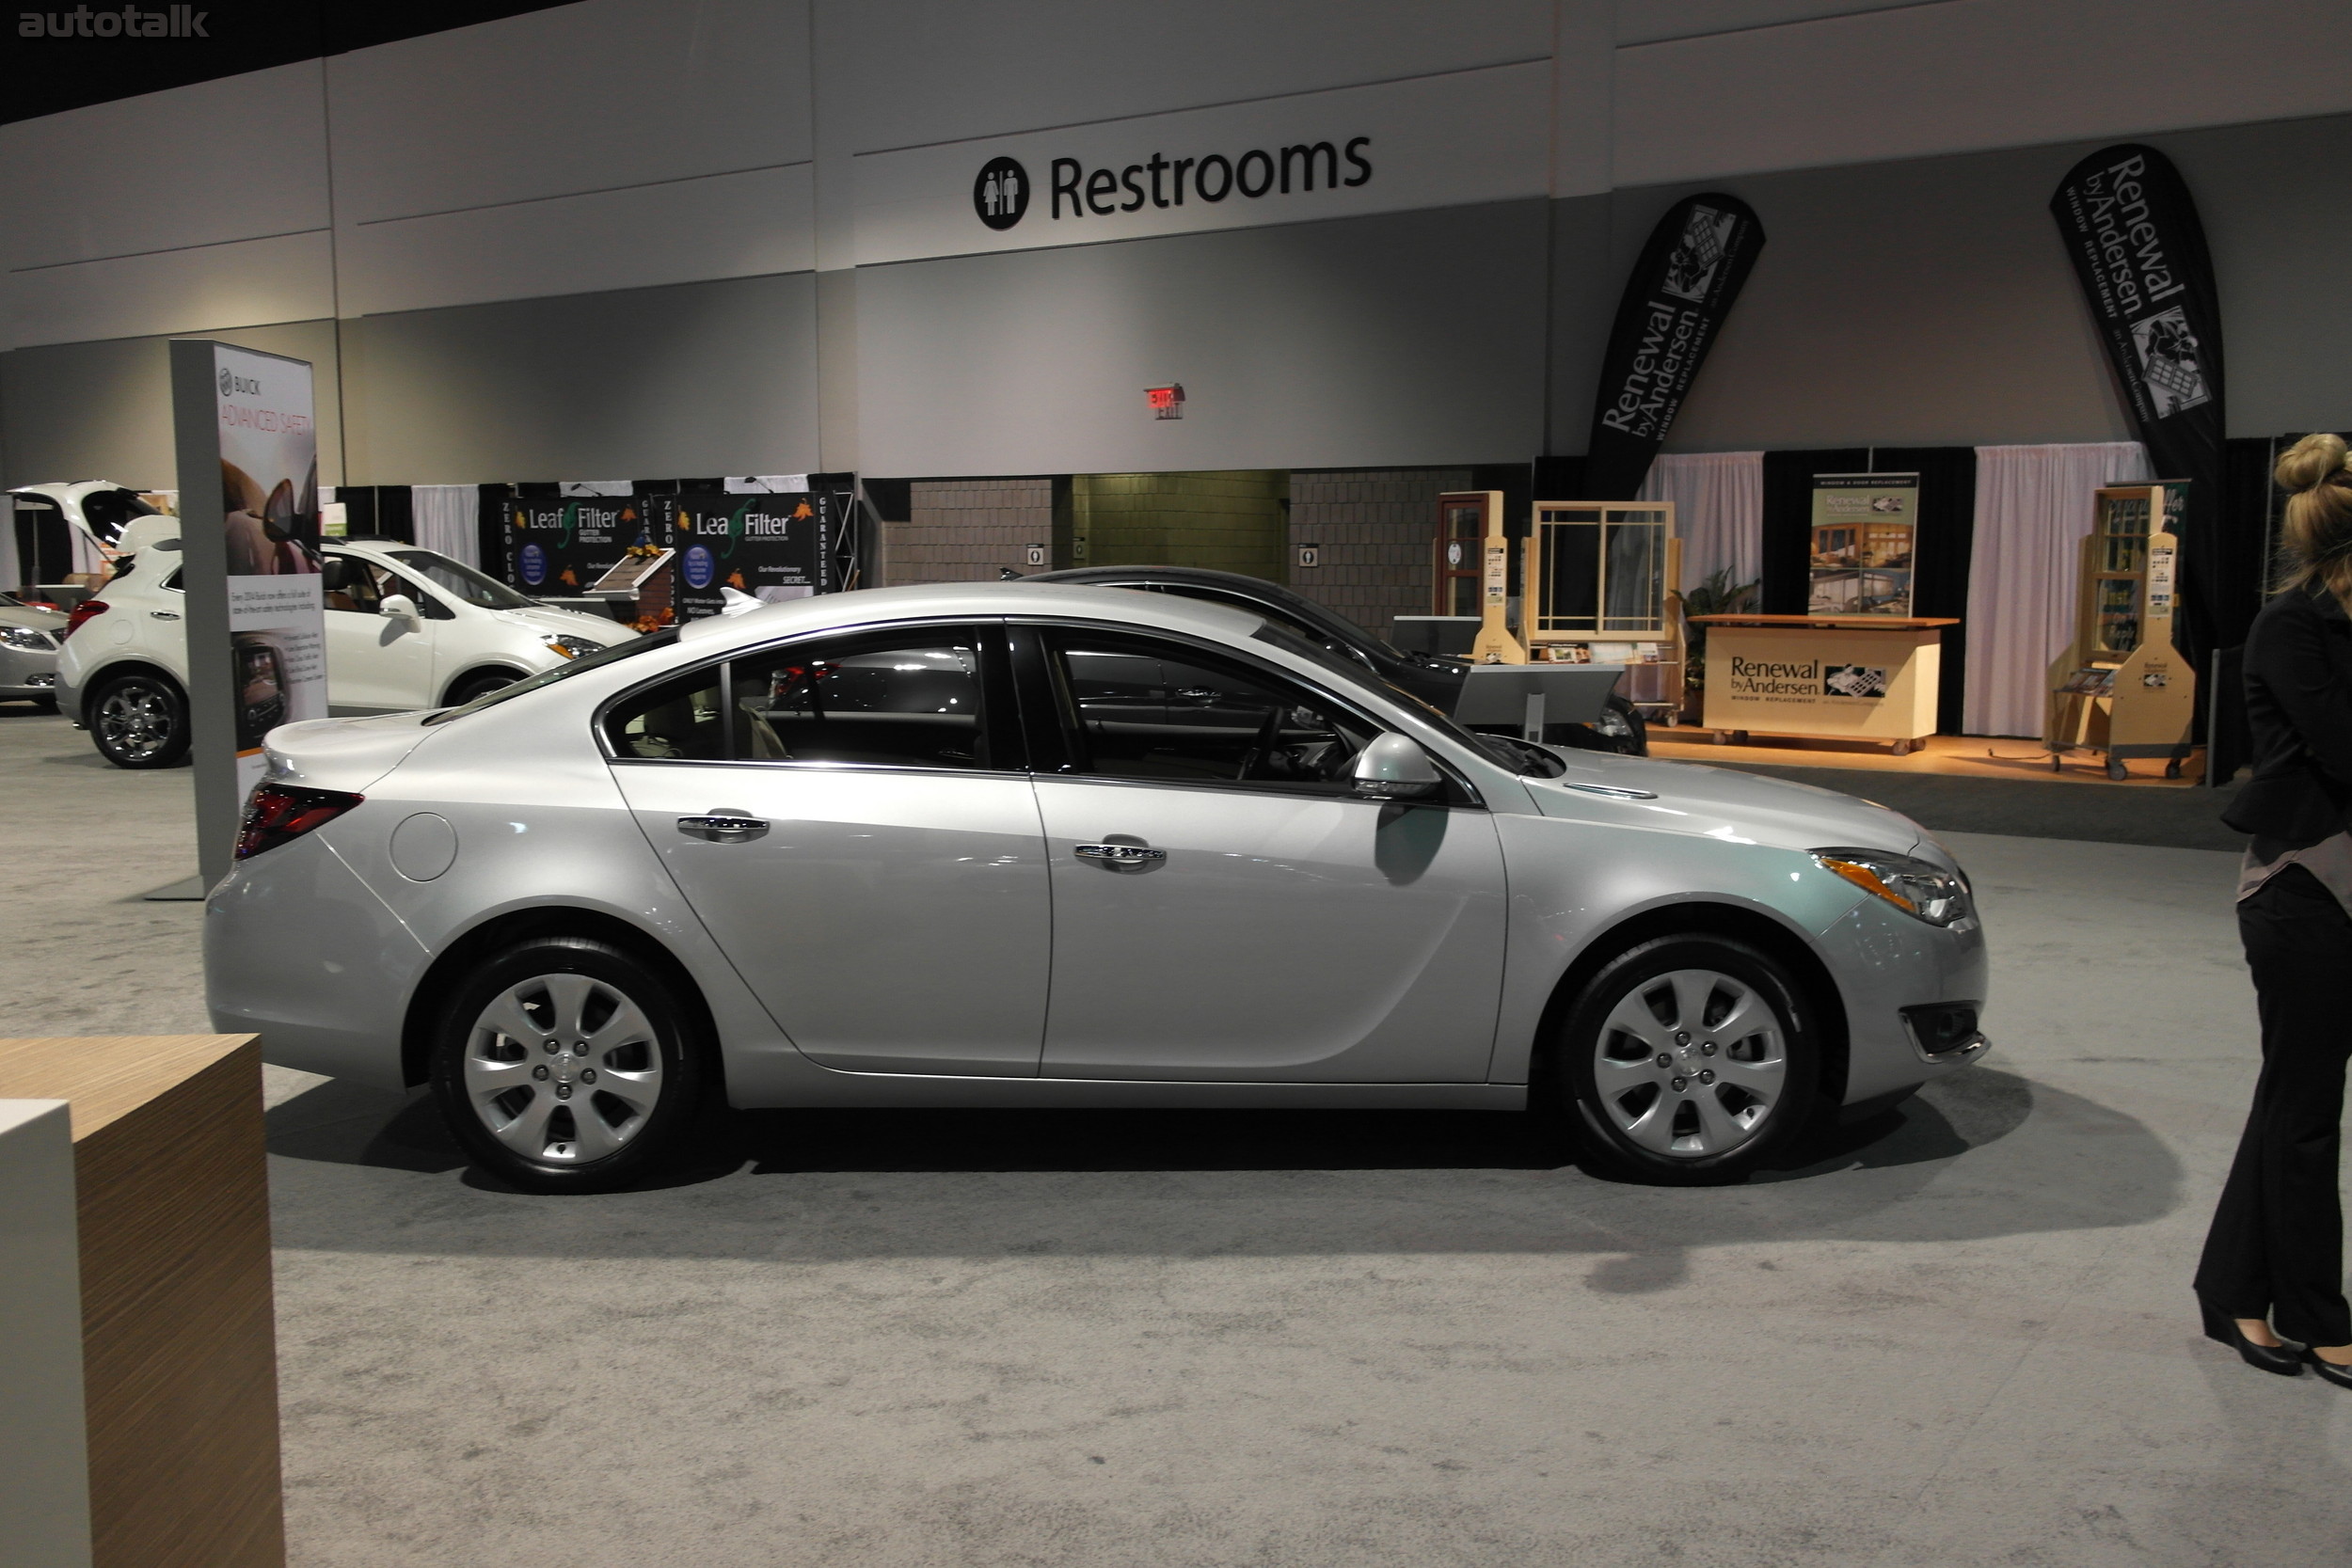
[722, 827]
[1118, 854]
[164, 614]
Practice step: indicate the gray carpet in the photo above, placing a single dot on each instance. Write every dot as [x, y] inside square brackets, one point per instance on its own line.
[2096, 812]
[1960, 1335]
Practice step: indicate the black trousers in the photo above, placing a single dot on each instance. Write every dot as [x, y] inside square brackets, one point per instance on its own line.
[2276, 1248]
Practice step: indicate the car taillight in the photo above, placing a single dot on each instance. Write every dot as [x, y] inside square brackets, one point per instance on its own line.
[82, 613]
[275, 814]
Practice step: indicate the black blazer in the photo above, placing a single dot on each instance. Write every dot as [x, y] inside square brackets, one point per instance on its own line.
[2298, 704]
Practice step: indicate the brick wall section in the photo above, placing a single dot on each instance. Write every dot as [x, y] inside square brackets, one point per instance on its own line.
[964, 530]
[1377, 528]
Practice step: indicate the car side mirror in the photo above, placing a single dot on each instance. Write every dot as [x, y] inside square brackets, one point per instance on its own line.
[1394, 768]
[400, 606]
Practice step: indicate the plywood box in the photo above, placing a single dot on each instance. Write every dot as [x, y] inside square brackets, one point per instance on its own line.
[179, 1344]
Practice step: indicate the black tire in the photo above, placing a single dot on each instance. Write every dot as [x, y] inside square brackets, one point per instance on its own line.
[139, 721]
[467, 687]
[1656, 1000]
[637, 1095]
[1634, 742]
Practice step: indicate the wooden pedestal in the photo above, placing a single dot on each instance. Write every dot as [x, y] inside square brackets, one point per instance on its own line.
[179, 1344]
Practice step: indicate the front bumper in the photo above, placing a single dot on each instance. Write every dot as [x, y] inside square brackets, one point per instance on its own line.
[1886, 962]
[27, 673]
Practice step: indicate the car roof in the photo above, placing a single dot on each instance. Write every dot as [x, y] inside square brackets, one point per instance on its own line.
[925, 601]
[1285, 601]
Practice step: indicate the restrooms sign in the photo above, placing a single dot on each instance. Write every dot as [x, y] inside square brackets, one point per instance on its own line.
[1437, 142]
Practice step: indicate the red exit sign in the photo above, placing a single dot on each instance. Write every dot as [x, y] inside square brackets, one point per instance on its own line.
[1168, 403]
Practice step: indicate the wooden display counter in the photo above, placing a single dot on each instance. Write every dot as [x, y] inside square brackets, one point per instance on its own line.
[179, 1344]
[1824, 677]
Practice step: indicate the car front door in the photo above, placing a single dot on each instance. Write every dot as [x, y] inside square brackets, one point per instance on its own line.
[849, 818]
[1225, 906]
[376, 663]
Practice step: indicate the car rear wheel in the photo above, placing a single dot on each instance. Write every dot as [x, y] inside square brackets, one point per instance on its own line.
[568, 1064]
[481, 682]
[1690, 1059]
[139, 722]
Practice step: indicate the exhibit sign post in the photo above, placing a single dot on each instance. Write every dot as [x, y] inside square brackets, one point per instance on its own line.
[2139, 248]
[1683, 284]
[247, 455]
[1865, 530]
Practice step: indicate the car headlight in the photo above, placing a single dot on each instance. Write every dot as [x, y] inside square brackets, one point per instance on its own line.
[1916, 887]
[569, 647]
[26, 638]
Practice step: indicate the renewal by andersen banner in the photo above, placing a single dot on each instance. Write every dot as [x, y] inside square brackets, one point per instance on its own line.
[2138, 250]
[1683, 285]
[1864, 539]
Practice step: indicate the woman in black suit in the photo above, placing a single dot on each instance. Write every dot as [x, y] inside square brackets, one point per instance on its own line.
[2271, 1281]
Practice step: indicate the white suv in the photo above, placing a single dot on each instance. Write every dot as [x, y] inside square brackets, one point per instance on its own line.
[407, 627]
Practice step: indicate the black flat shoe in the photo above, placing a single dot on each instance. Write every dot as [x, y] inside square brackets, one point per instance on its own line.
[2340, 1376]
[2287, 1359]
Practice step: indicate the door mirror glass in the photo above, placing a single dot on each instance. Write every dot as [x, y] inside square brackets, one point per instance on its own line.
[1394, 768]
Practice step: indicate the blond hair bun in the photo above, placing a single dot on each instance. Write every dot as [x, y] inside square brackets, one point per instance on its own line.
[2310, 462]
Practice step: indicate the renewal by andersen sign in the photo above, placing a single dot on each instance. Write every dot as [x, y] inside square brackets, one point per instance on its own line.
[1437, 142]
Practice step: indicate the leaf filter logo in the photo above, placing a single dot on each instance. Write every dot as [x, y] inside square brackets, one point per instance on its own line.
[1001, 193]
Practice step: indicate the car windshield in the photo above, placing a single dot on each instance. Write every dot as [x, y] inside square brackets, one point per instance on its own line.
[629, 648]
[460, 580]
[1516, 755]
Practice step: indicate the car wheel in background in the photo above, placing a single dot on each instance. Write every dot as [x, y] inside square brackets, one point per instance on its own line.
[1690, 1059]
[467, 687]
[1620, 725]
[566, 1065]
[139, 722]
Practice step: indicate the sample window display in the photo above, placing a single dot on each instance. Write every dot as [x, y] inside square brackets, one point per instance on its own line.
[1602, 570]
[2120, 688]
[1461, 535]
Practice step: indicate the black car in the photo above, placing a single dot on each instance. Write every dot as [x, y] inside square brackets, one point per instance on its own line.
[1434, 679]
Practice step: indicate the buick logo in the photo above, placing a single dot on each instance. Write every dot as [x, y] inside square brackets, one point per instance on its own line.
[1001, 193]
[228, 382]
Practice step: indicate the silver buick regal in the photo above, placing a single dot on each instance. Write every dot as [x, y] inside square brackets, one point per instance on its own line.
[1017, 844]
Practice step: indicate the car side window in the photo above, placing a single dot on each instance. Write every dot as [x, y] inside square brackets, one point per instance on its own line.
[679, 720]
[1142, 709]
[915, 700]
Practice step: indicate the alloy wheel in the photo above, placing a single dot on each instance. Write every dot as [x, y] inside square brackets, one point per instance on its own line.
[135, 721]
[1692, 1064]
[563, 1068]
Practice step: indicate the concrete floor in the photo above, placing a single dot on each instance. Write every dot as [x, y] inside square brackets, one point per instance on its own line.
[1963, 1335]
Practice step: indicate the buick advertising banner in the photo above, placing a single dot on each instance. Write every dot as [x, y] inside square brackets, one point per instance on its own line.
[771, 547]
[2132, 231]
[1683, 285]
[245, 439]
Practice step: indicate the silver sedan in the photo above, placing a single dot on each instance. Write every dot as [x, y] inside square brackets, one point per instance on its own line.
[1024, 845]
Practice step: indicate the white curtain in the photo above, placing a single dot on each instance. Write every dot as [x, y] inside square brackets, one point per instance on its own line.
[446, 518]
[2033, 507]
[1719, 512]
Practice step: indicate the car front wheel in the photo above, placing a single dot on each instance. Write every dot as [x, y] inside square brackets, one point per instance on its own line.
[466, 689]
[139, 722]
[1690, 1059]
[567, 1064]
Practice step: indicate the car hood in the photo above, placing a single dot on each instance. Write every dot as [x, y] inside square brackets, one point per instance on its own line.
[342, 754]
[24, 615]
[1717, 802]
[568, 623]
